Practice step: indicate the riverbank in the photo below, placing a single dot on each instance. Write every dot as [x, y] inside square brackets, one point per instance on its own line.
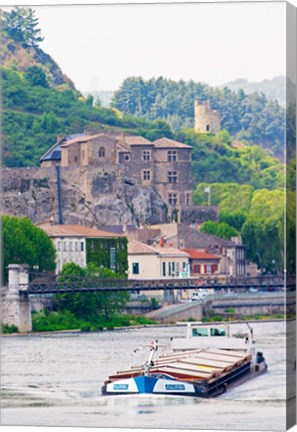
[143, 326]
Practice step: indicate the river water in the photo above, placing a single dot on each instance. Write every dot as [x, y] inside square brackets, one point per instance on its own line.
[56, 379]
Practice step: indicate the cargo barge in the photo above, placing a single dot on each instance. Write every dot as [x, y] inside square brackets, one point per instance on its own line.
[204, 364]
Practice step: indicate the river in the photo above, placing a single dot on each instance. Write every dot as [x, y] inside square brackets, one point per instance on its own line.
[56, 379]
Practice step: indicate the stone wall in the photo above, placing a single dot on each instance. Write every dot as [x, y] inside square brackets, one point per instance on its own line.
[198, 214]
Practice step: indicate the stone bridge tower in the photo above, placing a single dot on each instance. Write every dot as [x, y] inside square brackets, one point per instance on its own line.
[206, 120]
[16, 308]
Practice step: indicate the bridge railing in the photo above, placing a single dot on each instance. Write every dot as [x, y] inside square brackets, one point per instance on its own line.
[51, 283]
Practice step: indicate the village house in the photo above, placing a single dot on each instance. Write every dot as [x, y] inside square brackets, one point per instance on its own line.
[202, 263]
[155, 262]
[232, 253]
[82, 245]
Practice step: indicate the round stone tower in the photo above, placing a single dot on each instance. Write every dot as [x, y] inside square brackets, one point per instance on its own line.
[206, 120]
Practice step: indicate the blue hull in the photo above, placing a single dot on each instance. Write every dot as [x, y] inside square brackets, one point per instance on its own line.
[165, 385]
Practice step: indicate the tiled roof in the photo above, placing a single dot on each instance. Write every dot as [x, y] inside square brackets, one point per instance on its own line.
[170, 251]
[136, 140]
[201, 239]
[135, 247]
[82, 138]
[197, 254]
[76, 231]
[54, 153]
[168, 143]
[123, 146]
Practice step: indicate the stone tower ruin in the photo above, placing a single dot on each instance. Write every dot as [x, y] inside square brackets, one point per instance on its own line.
[206, 120]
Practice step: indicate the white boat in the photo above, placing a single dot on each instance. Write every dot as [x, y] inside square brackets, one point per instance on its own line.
[204, 364]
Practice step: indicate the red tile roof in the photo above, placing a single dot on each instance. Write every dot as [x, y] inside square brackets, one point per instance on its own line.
[76, 231]
[197, 254]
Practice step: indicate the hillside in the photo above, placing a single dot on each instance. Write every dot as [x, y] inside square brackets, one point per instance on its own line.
[39, 103]
[274, 89]
[14, 55]
[253, 117]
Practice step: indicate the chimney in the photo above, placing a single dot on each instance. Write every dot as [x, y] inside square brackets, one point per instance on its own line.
[162, 242]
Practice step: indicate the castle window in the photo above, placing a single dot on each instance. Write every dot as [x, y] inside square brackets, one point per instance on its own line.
[188, 198]
[146, 175]
[102, 152]
[172, 155]
[207, 128]
[75, 158]
[146, 155]
[172, 177]
[172, 199]
[126, 157]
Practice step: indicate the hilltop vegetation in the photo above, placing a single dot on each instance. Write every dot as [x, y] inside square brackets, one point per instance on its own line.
[35, 113]
[250, 117]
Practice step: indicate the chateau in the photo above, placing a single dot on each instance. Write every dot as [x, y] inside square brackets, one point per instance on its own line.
[163, 164]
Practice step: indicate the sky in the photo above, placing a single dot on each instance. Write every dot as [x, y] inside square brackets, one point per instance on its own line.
[99, 46]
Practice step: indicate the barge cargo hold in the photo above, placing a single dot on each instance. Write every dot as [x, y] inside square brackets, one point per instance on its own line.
[204, 364]
[202, 373]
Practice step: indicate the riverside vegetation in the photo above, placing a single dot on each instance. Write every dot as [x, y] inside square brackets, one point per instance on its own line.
[86, 311]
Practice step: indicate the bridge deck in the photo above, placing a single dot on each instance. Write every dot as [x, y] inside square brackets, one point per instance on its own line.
[51, 284]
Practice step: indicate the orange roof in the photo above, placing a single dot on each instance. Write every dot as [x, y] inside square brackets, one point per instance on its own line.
[168, 143]
[197, 254]
[76, 231]
[135, 247]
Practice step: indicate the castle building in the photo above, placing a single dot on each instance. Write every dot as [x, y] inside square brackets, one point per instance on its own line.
[206, 120]
[164, 164]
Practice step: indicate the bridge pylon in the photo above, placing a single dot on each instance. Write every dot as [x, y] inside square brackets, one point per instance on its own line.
[16, 308]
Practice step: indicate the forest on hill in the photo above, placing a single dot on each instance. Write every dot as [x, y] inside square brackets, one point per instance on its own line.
[249, 117]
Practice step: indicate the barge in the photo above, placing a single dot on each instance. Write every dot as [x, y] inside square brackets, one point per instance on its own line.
[204, 364]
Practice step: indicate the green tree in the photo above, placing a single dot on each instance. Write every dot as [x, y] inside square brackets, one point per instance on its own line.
[222, 230]
[22, 26]
[36, 76]
[89, 305]
[24, 243]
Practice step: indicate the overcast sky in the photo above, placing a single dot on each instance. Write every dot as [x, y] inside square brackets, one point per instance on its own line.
[99, 46]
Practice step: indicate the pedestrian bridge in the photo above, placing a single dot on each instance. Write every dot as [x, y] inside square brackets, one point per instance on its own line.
[41, 283]
[16, 307]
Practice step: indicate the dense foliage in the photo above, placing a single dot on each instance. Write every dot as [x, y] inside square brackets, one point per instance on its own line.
[110, 253]
[214, 160]
[258, 215]
[251, 117]
[90, 305]
[221, 229]
[24, 243]
[22, 26]
[34, 114]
